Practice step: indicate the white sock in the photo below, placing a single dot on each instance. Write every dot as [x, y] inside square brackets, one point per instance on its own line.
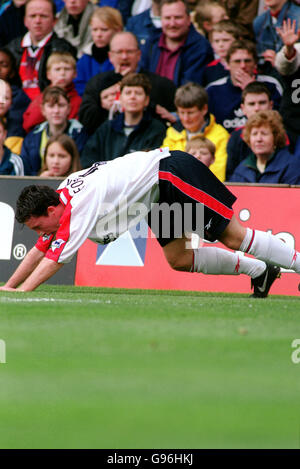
[217, 261]
[269, 248]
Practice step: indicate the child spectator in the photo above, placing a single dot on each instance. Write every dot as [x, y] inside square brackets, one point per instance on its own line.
[222, 35]
[203, 149]
[8, 68]
[191, 101]
[61, 71]
[10, 163]
[207, 13]
[56, 109]
[255, 97]
[61, 157]
[129, 131]
[104, 23]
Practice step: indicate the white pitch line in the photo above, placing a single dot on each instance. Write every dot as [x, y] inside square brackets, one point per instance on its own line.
[6, 299]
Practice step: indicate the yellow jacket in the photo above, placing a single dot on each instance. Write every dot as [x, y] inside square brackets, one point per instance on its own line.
[176, 139]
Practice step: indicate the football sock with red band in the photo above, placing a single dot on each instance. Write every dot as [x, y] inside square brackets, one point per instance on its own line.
[269, 248]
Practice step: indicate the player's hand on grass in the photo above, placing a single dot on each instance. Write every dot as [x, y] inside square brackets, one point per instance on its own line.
[4, 288]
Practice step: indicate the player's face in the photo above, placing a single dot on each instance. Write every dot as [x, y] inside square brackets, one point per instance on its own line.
[221, 42]
[58, 160]
[175, 21]
[45, 224]
[5, 98]
[61, 74]
[101, 32]
[134, 99]
[262, 141]
[39, 19]
[57, 113]
[192, 118]
[255, 102]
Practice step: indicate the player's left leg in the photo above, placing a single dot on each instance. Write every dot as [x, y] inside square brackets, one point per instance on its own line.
[210, 260]
[261, 245]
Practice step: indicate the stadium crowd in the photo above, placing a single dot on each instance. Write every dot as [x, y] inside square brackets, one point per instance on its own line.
[219, 79]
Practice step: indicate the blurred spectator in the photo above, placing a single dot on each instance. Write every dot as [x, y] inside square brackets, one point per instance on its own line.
[32, 51]
[242, 12]
[10, 163]
[225, 95]
[288, 64]
[12, 22]
[61, 157]
[267, 38]
[270, 160]
[13, 102]
[203, 149]
[56, 108]
[147, 25]
[8, 68]
[180, 53]
[207, 13]
[132, 130]
[104, 23]
[73, 24]
[222, 35]
[124, 54]
[255, 97]
[191, 101]
[61, 71]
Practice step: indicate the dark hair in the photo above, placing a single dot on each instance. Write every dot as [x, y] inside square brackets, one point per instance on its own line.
[3, 122]
[14, 77]
[256, 87]
[242, 44]
[137, 79]
[51, 95]
[34, 201]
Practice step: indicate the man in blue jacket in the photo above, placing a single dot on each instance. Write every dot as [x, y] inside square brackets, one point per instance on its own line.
[180, 53]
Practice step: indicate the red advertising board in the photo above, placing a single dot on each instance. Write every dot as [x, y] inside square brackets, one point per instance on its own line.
[130, 264]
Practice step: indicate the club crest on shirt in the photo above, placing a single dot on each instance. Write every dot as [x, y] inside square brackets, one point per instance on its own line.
[57, 244]
[46, 237]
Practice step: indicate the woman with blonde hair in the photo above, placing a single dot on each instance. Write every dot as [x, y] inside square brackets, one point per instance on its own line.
[270, 160]
[61, 157]
[104, 23]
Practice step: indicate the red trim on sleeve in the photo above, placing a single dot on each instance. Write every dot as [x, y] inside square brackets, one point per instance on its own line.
[62, 236]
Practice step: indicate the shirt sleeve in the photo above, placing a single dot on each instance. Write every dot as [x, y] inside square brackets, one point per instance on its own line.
[44, 242]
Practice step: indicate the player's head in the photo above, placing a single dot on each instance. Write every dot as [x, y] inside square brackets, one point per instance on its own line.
[34, 201]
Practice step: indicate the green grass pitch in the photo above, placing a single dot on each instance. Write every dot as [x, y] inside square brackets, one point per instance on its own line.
[101, 368]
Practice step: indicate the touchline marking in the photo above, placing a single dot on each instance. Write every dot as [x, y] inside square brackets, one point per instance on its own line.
[6, 299]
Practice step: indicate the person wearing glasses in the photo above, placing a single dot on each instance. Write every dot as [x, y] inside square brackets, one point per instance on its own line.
[124, 54]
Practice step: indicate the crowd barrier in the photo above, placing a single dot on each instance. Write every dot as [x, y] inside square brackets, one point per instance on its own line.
[132, 262]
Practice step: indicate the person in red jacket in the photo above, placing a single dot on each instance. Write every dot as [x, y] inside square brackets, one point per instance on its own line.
[61, 71]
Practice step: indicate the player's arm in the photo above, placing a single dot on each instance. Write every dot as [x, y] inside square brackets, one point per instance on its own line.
[27, 266]
[44, 270]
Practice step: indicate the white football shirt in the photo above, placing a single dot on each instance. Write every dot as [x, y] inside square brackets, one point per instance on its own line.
[104, 201]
